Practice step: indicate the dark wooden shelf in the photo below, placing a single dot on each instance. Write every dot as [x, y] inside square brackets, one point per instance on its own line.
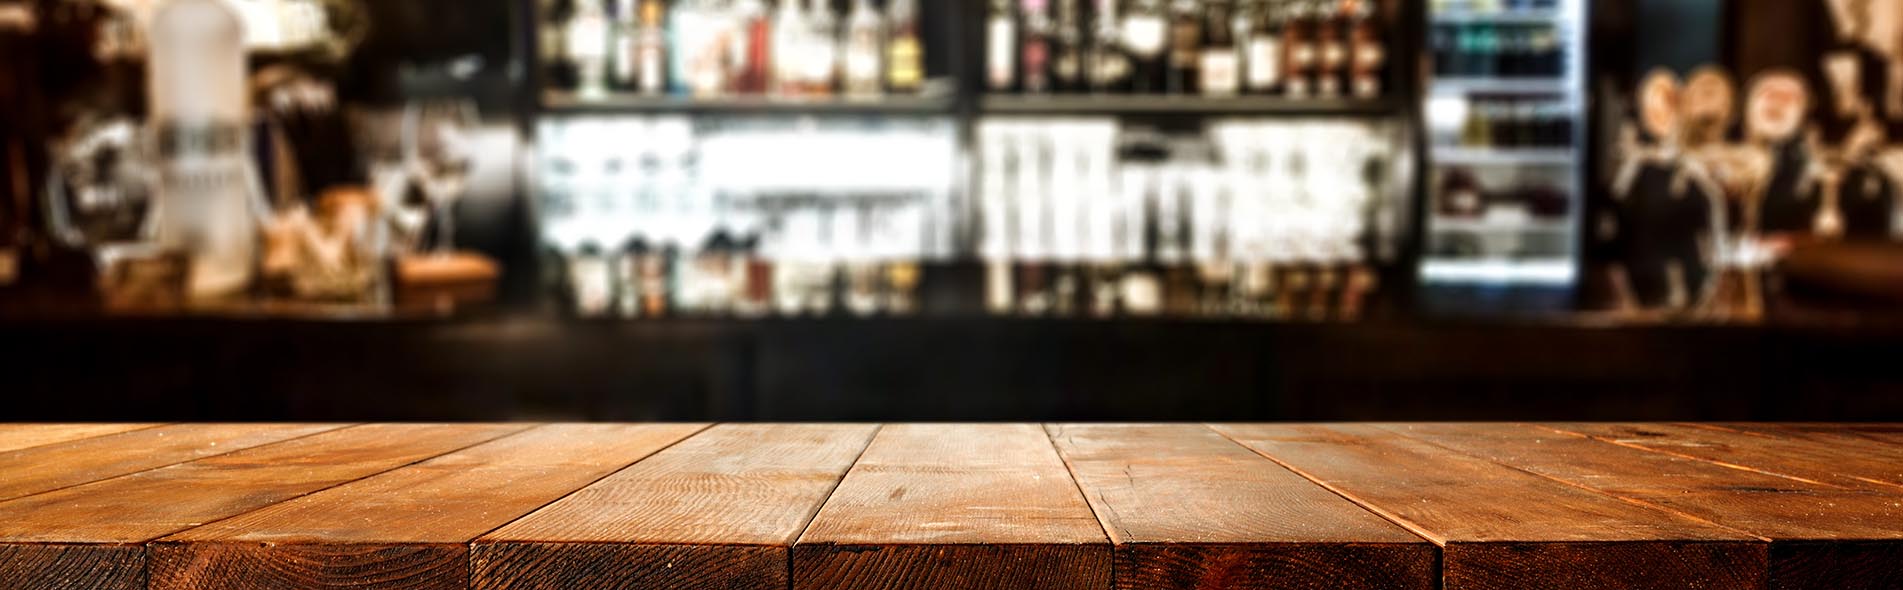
[563, 102]
[1186, 105]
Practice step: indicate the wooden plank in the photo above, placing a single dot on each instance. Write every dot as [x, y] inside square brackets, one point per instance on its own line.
[719, 510]
[1849, 462]
[90, 533]
[954, 507]
[1188, 509]
[1822, 537]
[1504, 528]
[14, 437]
[408, 528]
[41, 469]
[1887, 434]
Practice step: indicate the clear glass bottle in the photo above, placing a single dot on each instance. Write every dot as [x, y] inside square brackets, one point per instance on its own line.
[1001, 47]
[624, 56]
[789, 48]
[864, 48]
[1067, 48]
[589, 39]
[651, 48]
[822, 50]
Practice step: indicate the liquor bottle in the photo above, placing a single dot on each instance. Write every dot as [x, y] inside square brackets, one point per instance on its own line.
[752, 72]
[558, 65]
[1034, 47]
[1001, 49]
[822, 50]
[651, 48]
[1331, 43]
[1107, 64]
[209, 187]
[1067, 48]
[1369, 53]
[588, 45]
[1264, 49]
[789, 47]
[1186, 46]
[1146, 38]
[863, 44]
[1300, 50]
[624, 57]
[1221, 75]
[904, 51]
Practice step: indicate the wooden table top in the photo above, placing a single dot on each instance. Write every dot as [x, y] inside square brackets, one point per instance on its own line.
[950, 506]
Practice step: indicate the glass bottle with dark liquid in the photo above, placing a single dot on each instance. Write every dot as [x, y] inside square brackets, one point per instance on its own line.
[1146, 37]
[1186, 44]
[1300, 50]
[1368, 53]
[557, 65]
[1331, 58]
[1034, 51]
[1067, 48]
[1107, 62]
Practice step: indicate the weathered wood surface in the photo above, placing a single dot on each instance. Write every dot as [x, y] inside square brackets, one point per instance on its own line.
[1823, 537]
[409, 528]
[899, 506]
[955, 507]
[720, 510]
[14, 437]
[1188, 509]
[1503, 528]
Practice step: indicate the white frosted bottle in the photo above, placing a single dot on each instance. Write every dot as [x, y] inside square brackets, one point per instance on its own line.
[208, 191]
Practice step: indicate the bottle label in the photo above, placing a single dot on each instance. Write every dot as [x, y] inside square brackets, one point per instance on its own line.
[1333, 55]
[1144, 35]
[625, 56]
[588, 37]
[1003, 37]
[1302, 55]
[903, 68]
[1220, 77]
[1265, 62]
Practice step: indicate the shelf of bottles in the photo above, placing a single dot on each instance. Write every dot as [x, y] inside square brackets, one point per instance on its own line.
[671, 215]
[1247, 218]
[1201, 56]
[736, 56]
[1504, 115]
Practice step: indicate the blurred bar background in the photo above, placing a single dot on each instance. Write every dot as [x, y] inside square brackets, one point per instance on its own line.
[917, 210]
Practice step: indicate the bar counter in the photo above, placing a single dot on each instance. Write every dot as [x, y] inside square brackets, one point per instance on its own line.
[951, 506]
[509, 367]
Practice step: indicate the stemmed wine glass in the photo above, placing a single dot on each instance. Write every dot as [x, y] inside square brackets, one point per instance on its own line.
[438, 137]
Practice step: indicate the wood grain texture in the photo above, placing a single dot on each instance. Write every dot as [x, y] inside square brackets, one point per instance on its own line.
[408, 528]
[954, 507]
[1888, 434]
[97, 521]
[1189, 509]
[40, 469]
[719, 510]
[72, 567]
[14, 437]
[1805, 521]
[1504, 528]
[1851, 462]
